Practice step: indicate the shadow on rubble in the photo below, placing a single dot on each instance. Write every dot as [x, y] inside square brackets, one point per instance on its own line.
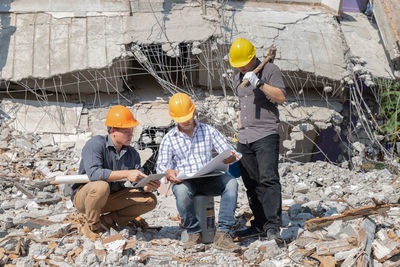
[168, 232]
[294, 218]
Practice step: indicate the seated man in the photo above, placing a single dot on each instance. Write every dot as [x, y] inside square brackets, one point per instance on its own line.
[107, 160]
[186, 149]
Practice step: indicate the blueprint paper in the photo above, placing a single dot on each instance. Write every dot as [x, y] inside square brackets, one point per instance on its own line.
[214, 166]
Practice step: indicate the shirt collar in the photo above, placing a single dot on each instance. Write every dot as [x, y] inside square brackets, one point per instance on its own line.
[196, 127]
[109, 143]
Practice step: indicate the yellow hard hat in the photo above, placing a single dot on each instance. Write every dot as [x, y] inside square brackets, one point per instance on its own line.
[241, 53]
[181, 108]
[120, 117]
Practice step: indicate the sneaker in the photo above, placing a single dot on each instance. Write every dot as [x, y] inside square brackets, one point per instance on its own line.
[274, 234]
[223, 240]
[249, 232]
[193, 240]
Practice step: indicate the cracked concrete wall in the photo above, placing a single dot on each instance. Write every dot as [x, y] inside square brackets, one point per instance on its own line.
[307, 41]
[307, 37]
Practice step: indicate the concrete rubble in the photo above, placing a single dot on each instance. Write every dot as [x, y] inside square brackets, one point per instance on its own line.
[40, 227]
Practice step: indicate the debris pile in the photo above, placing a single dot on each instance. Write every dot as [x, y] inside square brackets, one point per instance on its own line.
[332, 216]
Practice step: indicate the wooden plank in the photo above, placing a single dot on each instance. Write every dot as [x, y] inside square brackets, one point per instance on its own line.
[24, 190]
[384, 250]
[349, 215]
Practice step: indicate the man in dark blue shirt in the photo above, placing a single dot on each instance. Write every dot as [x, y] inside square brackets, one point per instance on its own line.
[107, 160]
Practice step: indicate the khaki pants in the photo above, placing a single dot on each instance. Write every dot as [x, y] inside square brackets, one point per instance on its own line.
[94, 199]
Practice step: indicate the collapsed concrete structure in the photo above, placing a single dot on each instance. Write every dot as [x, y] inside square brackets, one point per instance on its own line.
[102, 52]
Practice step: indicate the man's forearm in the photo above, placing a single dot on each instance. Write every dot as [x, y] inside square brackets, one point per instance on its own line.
[117, 175]
[273, 93]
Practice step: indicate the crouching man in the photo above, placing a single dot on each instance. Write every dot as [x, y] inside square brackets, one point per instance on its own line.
[186, 149]
[107, 160]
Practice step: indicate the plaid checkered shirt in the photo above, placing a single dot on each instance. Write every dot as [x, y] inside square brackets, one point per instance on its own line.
[188, 155]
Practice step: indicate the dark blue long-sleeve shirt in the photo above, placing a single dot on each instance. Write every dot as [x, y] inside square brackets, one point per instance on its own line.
[100, 158]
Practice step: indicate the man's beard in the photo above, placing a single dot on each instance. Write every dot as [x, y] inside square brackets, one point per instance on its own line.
[188, 128]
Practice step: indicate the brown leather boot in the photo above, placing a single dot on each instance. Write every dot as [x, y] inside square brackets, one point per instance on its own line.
[193, 240]
[223, 240]
[89, 233]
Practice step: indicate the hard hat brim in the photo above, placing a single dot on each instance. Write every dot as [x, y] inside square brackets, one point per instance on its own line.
[184, 118]
[128, 125]
[241, 64]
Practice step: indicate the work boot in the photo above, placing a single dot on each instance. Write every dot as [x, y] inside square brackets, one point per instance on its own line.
[223, 240]
[193, 240]
[107, 222]
[274, 234]
[91, 234]
[249, 232]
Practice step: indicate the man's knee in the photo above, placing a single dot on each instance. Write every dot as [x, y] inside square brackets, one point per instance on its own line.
[270, 180]
[99, 190]
[182, 192]
[231, 184]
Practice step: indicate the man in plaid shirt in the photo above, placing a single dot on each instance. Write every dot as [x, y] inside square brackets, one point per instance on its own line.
[185, 149]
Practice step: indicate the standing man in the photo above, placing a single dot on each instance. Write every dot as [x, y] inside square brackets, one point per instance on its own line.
[259, 138]
[107, 160]
[186, 149]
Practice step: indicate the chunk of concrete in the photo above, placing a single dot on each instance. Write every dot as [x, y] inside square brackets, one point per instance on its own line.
[301, 188]
[56, 230]
[335, 229]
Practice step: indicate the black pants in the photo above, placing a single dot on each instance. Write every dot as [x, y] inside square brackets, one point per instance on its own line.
[259, 168]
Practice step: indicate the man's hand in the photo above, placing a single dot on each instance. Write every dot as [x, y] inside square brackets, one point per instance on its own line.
[230, 159]
[153, 185]
[171, 176]
[251, 77]
[135, 176]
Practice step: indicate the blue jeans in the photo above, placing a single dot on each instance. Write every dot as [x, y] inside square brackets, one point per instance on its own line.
[259, 168]
[224, 185]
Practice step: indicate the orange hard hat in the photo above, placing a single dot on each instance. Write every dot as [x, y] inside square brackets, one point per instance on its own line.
[120, 117]
[241, 53]
[181, 107]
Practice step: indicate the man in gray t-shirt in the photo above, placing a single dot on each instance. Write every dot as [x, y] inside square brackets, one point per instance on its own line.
[258, 138]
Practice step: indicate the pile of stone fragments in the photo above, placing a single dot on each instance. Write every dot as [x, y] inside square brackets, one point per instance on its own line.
[332, 217]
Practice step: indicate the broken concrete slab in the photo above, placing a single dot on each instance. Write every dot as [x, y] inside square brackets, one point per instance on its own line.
[332, 247]
[364, 41]
[293, 31]
[389, 26]
[31, 116]
[56, 230]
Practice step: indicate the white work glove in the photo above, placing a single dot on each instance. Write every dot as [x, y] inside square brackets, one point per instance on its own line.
[251, 77]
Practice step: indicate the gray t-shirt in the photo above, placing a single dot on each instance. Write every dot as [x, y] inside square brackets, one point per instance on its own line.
[259, 117]
[100, 158]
